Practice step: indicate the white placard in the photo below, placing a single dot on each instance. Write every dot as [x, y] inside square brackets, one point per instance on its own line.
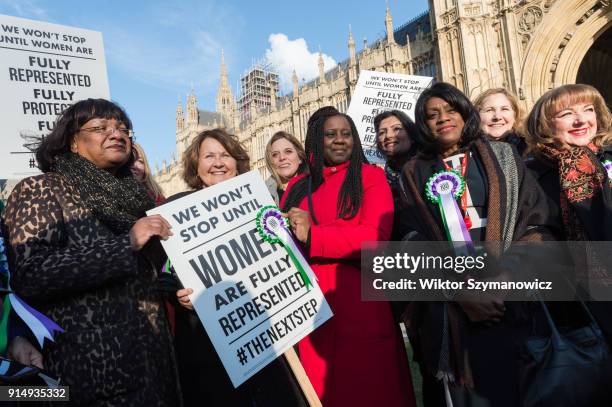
[377, 92]
[44, 68]
[247, 293]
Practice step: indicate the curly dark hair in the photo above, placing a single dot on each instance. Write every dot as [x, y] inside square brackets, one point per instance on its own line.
[191, 156]
[425, 140]
[69, 123]
[351, 191]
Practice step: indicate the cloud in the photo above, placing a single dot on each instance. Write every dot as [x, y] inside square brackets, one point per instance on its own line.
[26, 8]
[286, 55]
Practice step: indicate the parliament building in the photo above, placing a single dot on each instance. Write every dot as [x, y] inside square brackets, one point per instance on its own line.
[527, 46]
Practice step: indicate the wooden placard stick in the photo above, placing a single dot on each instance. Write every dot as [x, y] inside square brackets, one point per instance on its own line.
[300, 375]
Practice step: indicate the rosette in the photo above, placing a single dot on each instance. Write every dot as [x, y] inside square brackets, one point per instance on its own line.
[41, 326]
[443, 189]
[272, 227]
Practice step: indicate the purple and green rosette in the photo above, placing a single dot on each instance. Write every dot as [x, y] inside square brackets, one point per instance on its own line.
[41, 326]
[607, 164]
[443, 189]
[273, 228]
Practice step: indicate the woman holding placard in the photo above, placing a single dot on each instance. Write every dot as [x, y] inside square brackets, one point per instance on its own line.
[395, 140]
[472, 344]
[357, 358]
[213, 157]
[83, 252]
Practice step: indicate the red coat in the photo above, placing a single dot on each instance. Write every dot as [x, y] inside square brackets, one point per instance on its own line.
[357, 358]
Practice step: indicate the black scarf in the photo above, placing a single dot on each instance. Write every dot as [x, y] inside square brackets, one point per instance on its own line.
[117, 201]
[392, 176]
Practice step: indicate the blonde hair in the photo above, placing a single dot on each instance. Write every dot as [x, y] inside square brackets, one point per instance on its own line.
[150, 184]
[517, 127]
[539, 123]
[303, 167]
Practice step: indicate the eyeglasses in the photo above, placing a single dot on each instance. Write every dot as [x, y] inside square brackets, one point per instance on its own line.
[107, 131]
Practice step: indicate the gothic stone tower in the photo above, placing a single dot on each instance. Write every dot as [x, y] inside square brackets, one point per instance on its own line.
[527, 46]
[225, 104]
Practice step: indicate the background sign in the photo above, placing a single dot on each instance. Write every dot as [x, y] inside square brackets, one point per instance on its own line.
[44, 68]
[248, 294]
[377, 92]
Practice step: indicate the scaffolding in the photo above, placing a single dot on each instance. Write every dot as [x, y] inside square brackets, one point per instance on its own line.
[256, 86]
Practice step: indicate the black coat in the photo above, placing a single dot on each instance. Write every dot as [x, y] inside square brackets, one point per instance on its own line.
[516, 140]
[486, 353]
[594, 214]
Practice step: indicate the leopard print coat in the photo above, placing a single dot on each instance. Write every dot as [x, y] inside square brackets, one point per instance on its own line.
[117, 349]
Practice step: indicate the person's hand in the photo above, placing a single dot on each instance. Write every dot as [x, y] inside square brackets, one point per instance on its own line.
[485, 308]
[183, 298]
[21, 350]
[145, 228]
[300, 223]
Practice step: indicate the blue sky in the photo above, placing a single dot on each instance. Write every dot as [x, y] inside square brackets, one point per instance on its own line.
[156, 50]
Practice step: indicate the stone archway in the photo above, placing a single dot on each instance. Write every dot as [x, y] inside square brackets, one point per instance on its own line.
[560, 41]
[596, 66]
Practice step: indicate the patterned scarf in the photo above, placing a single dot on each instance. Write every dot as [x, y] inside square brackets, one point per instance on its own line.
[581, 177]
[117, 201]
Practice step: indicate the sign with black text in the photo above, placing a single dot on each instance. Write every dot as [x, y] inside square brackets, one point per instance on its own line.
[248, 293]
[44, 68]
[377, 92]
